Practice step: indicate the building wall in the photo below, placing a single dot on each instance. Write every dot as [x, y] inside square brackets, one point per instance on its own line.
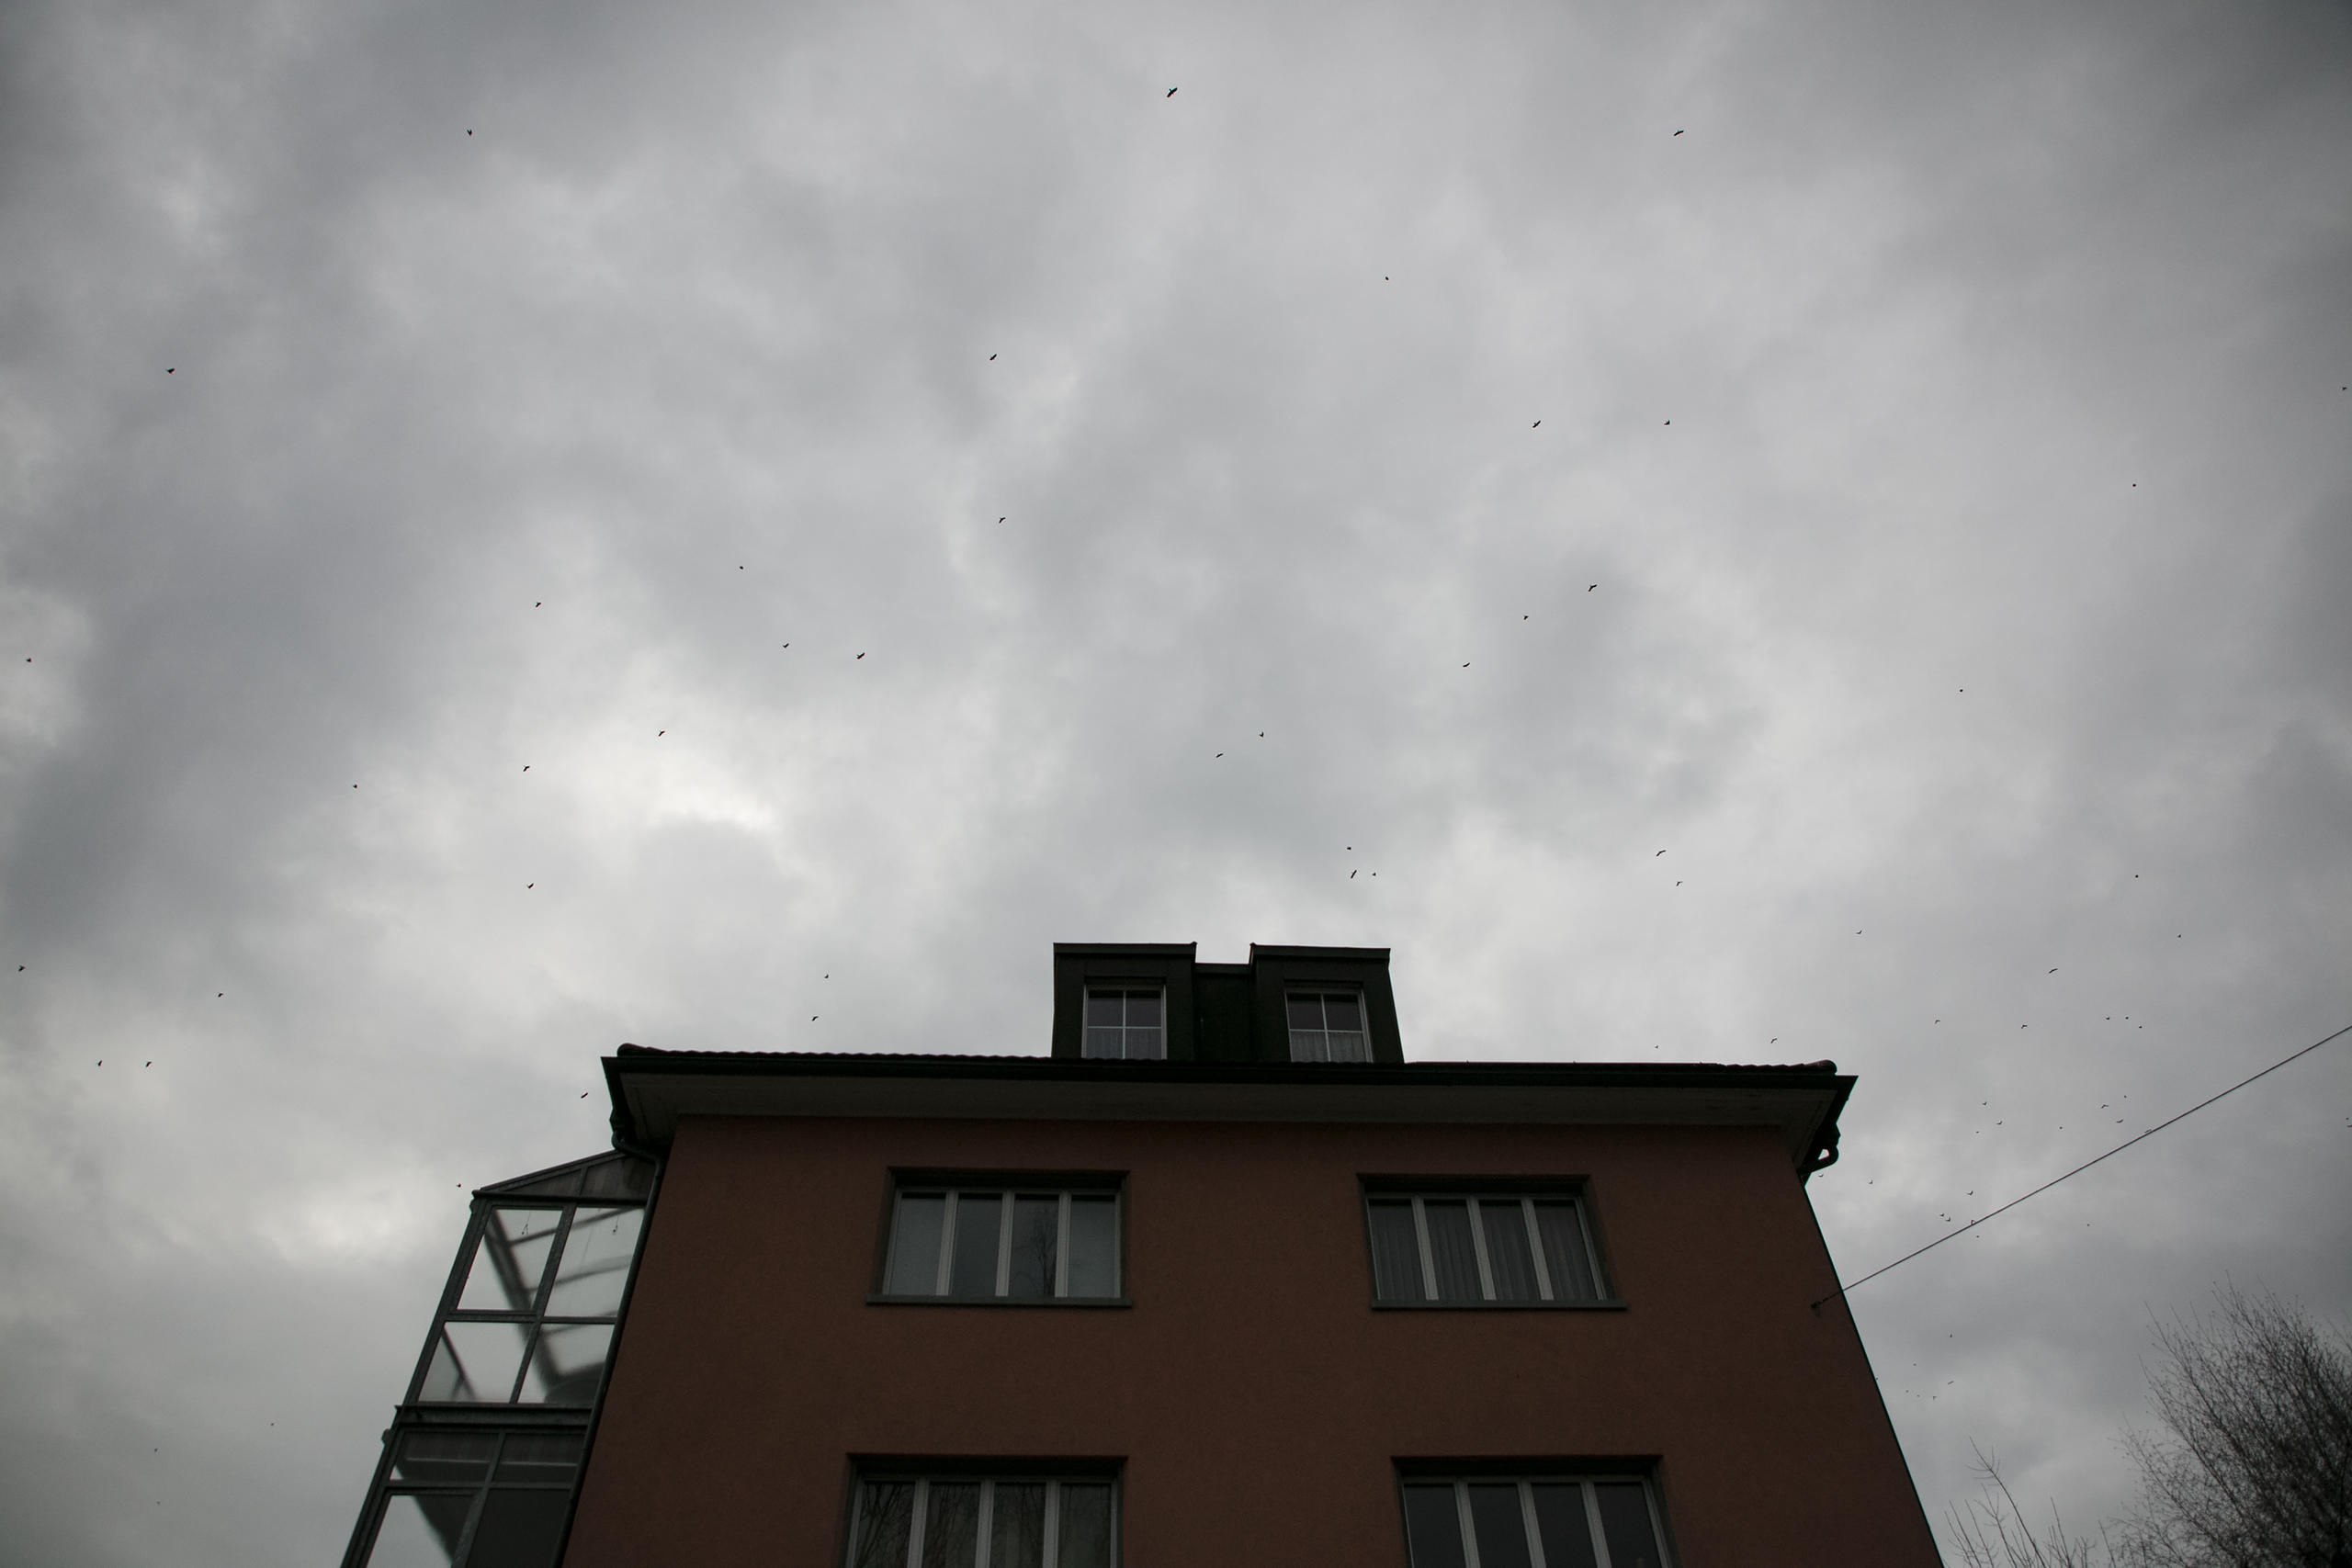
[1258, 1400]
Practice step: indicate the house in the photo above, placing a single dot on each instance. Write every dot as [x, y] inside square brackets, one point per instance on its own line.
[1224, 1280]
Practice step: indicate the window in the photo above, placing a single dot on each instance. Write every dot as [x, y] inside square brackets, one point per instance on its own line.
[1328, 1026]
[970, 1521]
[1534, 1522]
[976, 1243]
[475, 1500]
[534, 1317]
[1481, 1249]
[1125, 1022]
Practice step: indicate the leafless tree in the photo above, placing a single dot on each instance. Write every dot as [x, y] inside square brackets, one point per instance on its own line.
[1991, 1531]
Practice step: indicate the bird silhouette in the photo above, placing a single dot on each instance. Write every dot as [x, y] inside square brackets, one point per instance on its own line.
[1661, 853]
[992, 358]
[1537, 425]
[1677, 133]
[1590, 587]
[854, 660]
[1171, 92]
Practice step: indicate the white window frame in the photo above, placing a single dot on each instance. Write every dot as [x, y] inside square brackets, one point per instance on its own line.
[988, 1483]
[1123, 988]
[1318, 989]
[1526, 1484]
[954, 1192]
[1525, 1202]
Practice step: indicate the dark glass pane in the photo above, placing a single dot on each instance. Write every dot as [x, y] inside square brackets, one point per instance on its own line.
[1309, 1046]
[420, 1531]
[509, 1260]
[566, 1363]
[1560, 1519]
[1307, 1012]
[617, 1178]
[540, 1457]
[1395, 1254]
[1342, 1012]
[1036, 1242]
[1564, 1253]
[951, 1530]
[886, 1516]
[1501, 1530]
[594, 1271]
[1343, 1046]
[1106, 1043]
[1625, 1524]
[1509, 1258]
[474, 1363]
[1017, 1526]
[914, 1245]
[519, 1529]
[1105, 1008]
[1093, 1246]
[973, 1272]
[448, 1459]
[1452, 1253]
[1432, 1529]
[1143, 1010]
[1086, 1525]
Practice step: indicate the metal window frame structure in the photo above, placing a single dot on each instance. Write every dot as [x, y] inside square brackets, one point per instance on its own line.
[1478, 1195]
[1006, 1187]
[1124, 990]
[1526, 1480]
[921, 1476]
[570, 1188]
[1321, 990]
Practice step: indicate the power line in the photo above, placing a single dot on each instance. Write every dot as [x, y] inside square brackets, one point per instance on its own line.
[2055, 1180]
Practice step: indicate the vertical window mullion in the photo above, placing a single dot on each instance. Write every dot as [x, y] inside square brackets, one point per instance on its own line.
[1004, 1244]
[1535, 1248]
[946, 1244]
[1478, 1249]
[1421, 1236]
[1062, 1247]
[914, 1526]
[988, 1514]
[1463, 1522]
[555, 1261]
[1593, 1523]
[1527, 1522]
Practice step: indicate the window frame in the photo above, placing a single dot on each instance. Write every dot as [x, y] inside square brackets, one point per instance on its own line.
[389, 1490]
[1005, 1186]
[1584, 1475]
[1106, 984]
[1524, 1191]
[1321, 989]
[989, 1473]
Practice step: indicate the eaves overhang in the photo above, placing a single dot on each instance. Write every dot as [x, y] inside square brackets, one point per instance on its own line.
[652, 1089]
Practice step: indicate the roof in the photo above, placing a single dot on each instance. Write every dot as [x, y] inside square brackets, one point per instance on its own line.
[652, 1088]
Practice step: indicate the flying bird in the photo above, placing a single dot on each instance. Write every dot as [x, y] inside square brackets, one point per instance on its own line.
[1661, 853]
[659, 733]
[1590, 587]
[1351, 877]
[1171, 92]
[854, 660]
[992, 358]
[1465, 664]
[584, 1094]
[1677, 133]
[2053, 971]
[1537, 425]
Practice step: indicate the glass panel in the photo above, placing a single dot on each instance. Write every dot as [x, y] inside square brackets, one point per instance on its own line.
[420, 1531]
[446, 1458]
[1306, 1012]
[1093, 1246]
[914, 1245]
[1086, 1525]
[1432, 1529]
[1501, 1529]
[519, 1529]
[1143, 1010]
[1343, 1011]
[951, 1530]
[1564, 1253]
[1347, 1047]
[617, 1178]
[540, 1457]
[885, 1525]
[1625, 1524]
[509, 1260]
[1309, 1046]
[1509, 1258]
[973, 1272]
[474, 1363]
[1036, 1242]
[567, 1364]
[1396, 1255]
[1560, 1519]
[1105, 1042]
[594, 1271]
[1017, 1526]
[1105, 1008]
[1451, 1251]
[1144, 1045]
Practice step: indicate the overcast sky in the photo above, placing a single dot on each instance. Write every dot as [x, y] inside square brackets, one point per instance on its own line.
[526, 526]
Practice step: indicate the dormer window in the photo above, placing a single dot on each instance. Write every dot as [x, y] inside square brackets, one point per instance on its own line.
[1328, 1026]
[1127, 1023]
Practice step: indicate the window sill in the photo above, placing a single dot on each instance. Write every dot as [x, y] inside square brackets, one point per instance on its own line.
[1057, 1303]
[1610, 1303]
